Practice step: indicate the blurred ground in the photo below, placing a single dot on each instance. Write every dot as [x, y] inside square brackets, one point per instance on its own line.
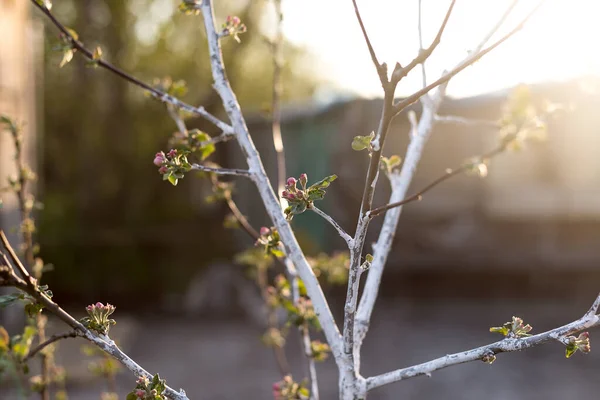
[220, 360]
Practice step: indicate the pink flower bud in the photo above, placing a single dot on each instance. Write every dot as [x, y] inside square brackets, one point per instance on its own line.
[140, 393]
[235, 20]
[159, 159]
[163, 170]
[303, 179]
[99, 305]
[291, 182]
[264, 231]
[172, 153]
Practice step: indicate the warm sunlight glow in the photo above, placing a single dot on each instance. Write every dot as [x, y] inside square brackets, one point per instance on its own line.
[560, 42]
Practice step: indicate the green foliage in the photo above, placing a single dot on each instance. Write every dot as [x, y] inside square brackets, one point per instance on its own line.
[270, 241]
[389, 164]
[146, 389]
[21, 344]
[513, 329]
[288, 389]
[190, 7]
[300, 199]
[331, 269]
[360, 143]
[45, 3]
[581, 343]
[319, 351]
[97, 319]
[522, 120]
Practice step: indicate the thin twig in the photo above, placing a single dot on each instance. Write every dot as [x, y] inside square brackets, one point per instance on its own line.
[160, 95]
[420, 29]
[503, 346]
[400, 185]
[402, 104]
[447, 175]
[52, 339]
[381, 68]
[453, 119]
[424, 54]
[277, 49]
[347, 238]
[265, 190]
[222, 171]
[15, 260]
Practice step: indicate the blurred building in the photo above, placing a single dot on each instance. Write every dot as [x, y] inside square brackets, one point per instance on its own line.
[538, 209]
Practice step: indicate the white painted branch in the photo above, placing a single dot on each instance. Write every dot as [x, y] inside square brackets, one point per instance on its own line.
[503, 346]
[108, 346]
[270, 200]
[400, 185]
[453, 119]
[222, 171]
[347, 238]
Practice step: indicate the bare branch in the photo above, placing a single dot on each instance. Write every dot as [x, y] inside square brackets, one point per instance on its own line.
[347, 238]
[15, 261]
[158, 94]
[52, 339]
[402, 104]
[447, 175]
[424, 54]
[277, 48]
[101, 341]
[503, 346]
[453, 119]
[222, 171]
[420, 29]
[400, 183]
[265, 190]
[594, 308]
[381, 68]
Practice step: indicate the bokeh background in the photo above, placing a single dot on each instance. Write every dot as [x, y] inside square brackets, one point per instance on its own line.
[523, 241]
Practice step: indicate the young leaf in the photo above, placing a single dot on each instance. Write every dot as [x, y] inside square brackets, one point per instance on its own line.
[323, 183]
[67, 57]
[360, 143]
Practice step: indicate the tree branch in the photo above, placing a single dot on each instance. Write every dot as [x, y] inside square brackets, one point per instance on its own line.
[447, 175]
[453, 119]
[503, 346]
[400, 184]
[265, 190]
[101, 341]
[381, 68]
[402, 104]
[222, 171]
[277, 47]
[420, 29]
[158, 94]
[347, 238]
[15, 261]
[424, 54]
[52, 339]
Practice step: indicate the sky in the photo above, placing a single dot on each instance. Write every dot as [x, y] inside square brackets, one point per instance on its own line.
[560, 42]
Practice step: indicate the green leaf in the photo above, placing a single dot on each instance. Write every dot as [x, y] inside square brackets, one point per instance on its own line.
[570, 351]
[67, 57]
[390, 163]
[317, 194]
[369, 258]
[8, 299]
[131, 396]
[23, 344]
[173, 179]
[45, 3]
[323, 183]
[360, 143]
[200, 137]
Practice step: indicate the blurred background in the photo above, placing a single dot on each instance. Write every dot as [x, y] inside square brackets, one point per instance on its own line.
[474, 252]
